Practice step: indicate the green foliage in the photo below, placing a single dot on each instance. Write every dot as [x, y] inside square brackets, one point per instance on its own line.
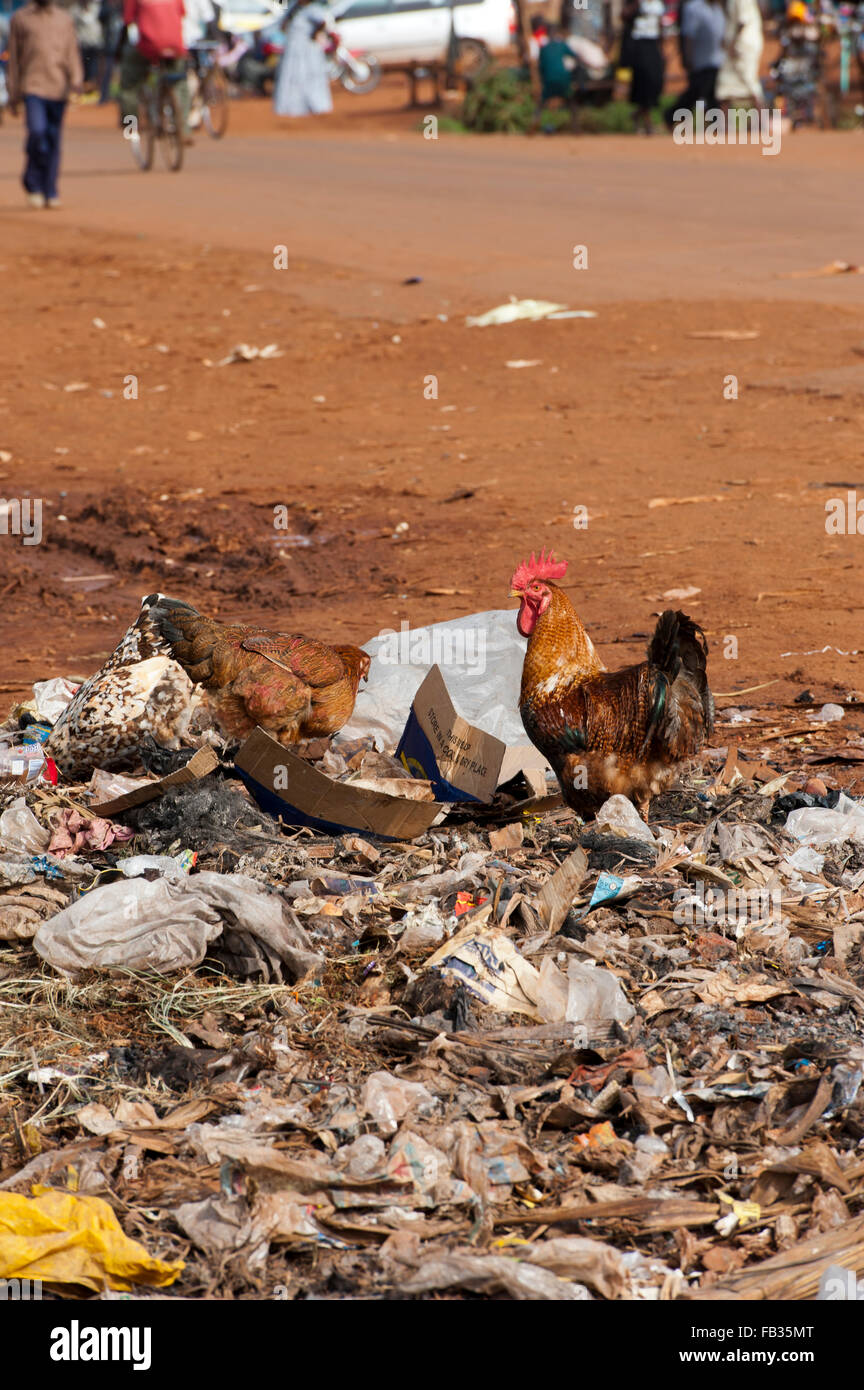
[499, 101]
[449, 125]
[615, 118]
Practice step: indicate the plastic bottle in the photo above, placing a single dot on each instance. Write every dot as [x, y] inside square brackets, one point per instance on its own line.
[24, 762]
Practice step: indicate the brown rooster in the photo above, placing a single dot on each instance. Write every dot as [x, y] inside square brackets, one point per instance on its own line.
[607, 731]
[294, 687]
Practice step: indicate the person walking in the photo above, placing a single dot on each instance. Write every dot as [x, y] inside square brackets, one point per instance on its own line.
[88, 30]
[738, 81]
[642, 52]
[44, 67]
[302, 82]
[111, 19]
[703, 26]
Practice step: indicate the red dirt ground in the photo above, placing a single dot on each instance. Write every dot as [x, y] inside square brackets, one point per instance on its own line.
[176, 490]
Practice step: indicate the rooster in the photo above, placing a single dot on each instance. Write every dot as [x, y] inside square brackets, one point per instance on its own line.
[294, 687]
[607, 731]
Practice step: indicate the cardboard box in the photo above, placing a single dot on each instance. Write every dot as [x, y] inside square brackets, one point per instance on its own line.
[288, 787]
[461, 761]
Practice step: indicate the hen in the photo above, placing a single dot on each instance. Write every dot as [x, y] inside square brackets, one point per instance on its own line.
[294, 687]
[607, 731]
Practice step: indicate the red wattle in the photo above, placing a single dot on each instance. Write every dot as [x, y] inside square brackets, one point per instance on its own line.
[526, 619]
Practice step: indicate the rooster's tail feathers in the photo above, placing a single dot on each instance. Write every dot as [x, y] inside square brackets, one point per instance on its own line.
[679, 642]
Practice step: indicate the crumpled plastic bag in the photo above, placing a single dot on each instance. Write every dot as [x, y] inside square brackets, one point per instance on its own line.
[424, 928]
[386, 1099]
[491, 1274]
[820, 827]
[587, 993]
[168, 924]
[480, 657]
[20, 831]
[64, 1238]
[619, 816]
[52, 697]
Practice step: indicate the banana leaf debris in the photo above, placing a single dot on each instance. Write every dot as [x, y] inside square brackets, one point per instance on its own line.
[514, 1057]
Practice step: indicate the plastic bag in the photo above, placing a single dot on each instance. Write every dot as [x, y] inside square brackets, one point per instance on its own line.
[480, 657]
[63, 1238]
[20, 831]
[168, 924]
[386, 1099]
[619, 816]
[52, 697]
[424, 928]
[817, 826]
[587, 993]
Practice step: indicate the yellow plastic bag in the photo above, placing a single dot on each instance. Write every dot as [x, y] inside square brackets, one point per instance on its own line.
[62, 1238]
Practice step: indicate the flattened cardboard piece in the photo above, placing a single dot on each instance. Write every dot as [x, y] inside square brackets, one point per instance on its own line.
[461, 761]
[199, 765]
[302, 795]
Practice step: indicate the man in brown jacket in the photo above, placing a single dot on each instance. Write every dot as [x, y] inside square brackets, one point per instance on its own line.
[44, 66]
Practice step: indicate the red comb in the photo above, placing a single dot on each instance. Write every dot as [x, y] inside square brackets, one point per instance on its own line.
[547, 567]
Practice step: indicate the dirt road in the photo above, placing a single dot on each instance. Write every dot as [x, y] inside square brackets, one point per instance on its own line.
[687, 485]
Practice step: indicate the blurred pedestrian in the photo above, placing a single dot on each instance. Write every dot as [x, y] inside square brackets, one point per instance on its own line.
[88, 31]
[738, 81]
[160, 42]
[557, 66]
[44, 67]
[703, 27]
[642, 52]
[111, 19]
[302, 81]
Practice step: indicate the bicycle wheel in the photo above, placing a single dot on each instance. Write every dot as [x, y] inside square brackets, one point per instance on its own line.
[214, 91]
[142, 140]
[170, 128]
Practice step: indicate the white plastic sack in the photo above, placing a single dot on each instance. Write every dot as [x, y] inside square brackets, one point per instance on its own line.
[480, 657]
[168, 924]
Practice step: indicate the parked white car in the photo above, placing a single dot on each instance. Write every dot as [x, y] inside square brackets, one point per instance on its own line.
[396, 31]
[405, 31]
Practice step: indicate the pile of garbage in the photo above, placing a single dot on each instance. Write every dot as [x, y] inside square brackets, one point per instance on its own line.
[510, 1056]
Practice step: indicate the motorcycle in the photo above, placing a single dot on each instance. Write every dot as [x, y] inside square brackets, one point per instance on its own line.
[359, 73]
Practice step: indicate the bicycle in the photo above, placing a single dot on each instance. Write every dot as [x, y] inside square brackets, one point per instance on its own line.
[160, 119]
[209, 87]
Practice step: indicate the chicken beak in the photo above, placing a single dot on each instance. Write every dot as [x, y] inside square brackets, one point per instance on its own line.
[516, 593]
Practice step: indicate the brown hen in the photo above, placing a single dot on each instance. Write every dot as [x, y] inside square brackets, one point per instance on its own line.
[294, 687]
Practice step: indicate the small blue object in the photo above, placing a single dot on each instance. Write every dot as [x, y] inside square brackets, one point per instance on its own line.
[608, 886]
[42, 864]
